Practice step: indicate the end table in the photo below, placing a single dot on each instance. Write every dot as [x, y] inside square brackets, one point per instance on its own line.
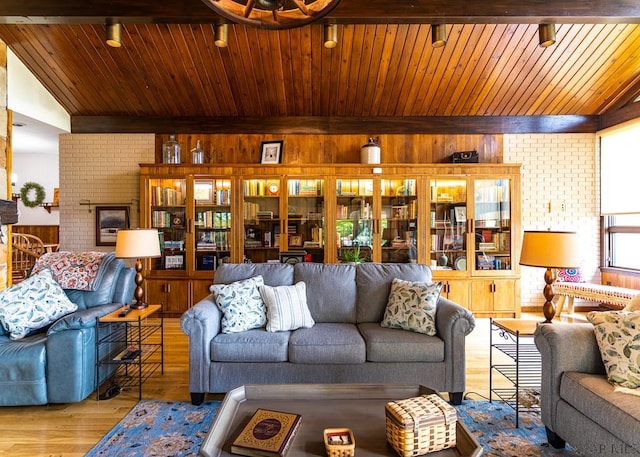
[129, 349]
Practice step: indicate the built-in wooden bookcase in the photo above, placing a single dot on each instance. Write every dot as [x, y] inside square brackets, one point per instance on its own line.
[462, 220]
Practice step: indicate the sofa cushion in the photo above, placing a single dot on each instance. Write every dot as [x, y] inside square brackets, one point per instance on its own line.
[33, 304]
[274, 274]
[618, 337]
[412, 306]
[373, 282]
[256, 345]
[327, 343]
[331, 292]
[394, 345]
[286, 307]
[241, 305]
[593, 396]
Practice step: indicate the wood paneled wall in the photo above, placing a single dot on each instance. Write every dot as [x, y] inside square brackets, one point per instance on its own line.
[311, 149]
[49, 234]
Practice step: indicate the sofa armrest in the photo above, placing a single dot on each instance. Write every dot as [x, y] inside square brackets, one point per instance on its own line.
[85, 318]
[454, 323]
[201, 323]
[564, 347]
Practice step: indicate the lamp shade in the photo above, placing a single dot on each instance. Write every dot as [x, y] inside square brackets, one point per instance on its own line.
[137, 244]
[550, 249]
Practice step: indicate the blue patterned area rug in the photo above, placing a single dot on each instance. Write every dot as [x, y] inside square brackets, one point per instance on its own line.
[165, 428]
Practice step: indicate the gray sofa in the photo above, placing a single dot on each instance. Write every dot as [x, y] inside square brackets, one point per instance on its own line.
[346, 344]
[57, 364]
[578, 404]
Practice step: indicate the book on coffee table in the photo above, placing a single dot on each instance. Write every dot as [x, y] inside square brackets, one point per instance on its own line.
[268, 434]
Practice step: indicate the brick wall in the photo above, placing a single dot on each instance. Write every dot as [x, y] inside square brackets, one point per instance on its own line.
[99, 169]
[561, 169]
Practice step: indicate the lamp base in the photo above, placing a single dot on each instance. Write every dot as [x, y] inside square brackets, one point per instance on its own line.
[139, 305]
[548, 309]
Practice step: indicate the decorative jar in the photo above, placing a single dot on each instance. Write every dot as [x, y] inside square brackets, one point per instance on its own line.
[171, 150]
[370, 152]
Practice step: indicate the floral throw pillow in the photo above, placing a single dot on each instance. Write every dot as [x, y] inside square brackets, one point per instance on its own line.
[33, 304]
[618, 337]
[412, 306]
[287, 307]
[241, 305]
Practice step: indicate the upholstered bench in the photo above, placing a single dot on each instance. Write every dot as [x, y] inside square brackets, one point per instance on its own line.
[615, 297]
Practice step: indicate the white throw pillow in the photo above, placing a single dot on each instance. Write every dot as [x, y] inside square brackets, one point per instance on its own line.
[241, 305]
[412, 306]
[33, 304]
[618, 336]
[287, 307]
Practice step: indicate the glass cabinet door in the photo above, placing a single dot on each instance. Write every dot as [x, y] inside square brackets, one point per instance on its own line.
[399, 220]
[168, 215]
[448, 224]
[212, 222]
[492, 224]
[261, 208]
[305, 217]
[354, 219]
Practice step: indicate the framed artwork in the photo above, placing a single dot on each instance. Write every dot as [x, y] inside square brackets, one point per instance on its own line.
[271, 152]
[110, 219]
[295, 240]
[203, 191]
[461, 214]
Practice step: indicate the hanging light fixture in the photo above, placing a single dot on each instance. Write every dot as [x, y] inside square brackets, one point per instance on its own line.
[438, 35]
[272, 14]
[546, 35]
[330, 36]
[222, 35]
[114, 32]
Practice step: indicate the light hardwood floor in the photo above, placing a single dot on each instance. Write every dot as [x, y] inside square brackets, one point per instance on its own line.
[72, 429]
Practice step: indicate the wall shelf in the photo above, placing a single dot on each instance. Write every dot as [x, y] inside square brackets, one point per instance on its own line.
[50, 206]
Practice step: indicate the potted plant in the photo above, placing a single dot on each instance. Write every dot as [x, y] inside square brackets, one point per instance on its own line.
[353, 255]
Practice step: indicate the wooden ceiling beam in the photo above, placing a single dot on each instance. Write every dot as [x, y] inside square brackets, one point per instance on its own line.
[349, 11]
[337, 125]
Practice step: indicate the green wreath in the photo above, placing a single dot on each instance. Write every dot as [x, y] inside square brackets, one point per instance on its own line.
[24, 194]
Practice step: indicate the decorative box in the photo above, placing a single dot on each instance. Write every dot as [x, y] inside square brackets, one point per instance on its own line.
[419, 425]
[339, 442]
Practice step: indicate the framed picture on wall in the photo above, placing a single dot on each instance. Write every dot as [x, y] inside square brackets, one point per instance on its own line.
[271, 152]
[110, 219]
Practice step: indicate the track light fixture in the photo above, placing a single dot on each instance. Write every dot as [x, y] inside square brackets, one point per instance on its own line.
[114, 32]
[222, 35]
[330, 36]
[546, 35]
[438, 35]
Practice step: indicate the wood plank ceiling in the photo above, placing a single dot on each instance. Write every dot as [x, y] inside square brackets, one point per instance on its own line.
[376, 71]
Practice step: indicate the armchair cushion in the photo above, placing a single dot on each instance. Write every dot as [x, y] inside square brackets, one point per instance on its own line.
[33, 304]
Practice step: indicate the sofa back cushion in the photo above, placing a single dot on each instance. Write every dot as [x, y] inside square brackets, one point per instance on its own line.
[331, 291]
[273, 274]
[105, 291]
[373, 282]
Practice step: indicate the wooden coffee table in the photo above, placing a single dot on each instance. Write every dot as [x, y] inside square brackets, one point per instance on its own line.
[359, 407]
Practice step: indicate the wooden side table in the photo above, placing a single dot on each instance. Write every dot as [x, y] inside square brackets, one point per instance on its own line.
[129, 348]
[514, 338]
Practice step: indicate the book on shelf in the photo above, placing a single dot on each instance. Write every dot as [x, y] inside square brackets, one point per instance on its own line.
[268, 434]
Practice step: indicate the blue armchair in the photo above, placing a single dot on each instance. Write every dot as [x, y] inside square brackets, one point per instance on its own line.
[57, 364]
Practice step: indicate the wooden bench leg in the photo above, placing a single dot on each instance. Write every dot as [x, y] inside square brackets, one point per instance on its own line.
[560, 305]
[570, 304]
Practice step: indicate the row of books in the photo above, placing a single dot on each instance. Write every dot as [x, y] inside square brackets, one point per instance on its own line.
[213, 219]
[212, 262]
[392, 187]
[166, 196]
[213, 241]
[306, 187]
[164, 219]
[261, 187]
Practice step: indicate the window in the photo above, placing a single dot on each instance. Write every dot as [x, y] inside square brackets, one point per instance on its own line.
[622, 241]
[620, 211]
